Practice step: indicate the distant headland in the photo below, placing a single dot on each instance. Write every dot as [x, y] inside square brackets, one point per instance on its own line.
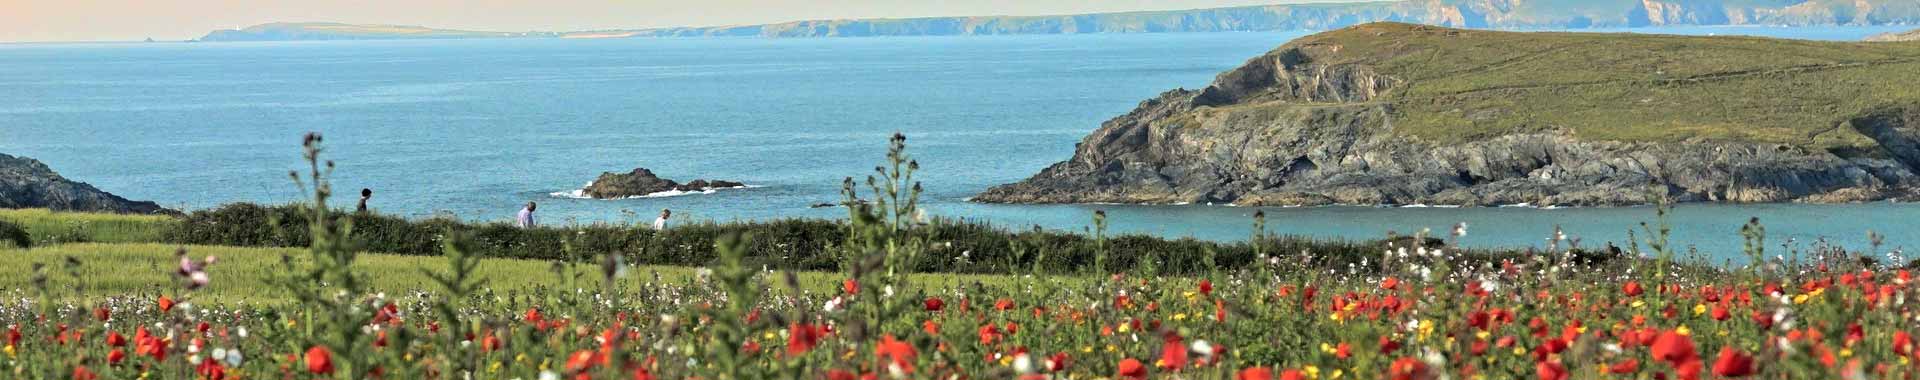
[1501, 14]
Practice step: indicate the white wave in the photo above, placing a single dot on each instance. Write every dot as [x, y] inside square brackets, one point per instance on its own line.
[582, 193]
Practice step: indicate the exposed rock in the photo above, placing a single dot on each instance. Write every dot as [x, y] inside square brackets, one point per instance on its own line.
[27, 183]
[642, 182]
[1311, 124]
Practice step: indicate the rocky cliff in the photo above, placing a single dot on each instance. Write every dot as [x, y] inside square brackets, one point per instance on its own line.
[27, 183]
[1405, 114]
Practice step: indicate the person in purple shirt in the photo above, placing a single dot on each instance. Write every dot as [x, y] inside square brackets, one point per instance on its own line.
[525, 220]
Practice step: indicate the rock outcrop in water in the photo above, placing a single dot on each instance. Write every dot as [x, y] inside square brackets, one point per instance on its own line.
[642, 182]
[1406, 114]
[27, 183]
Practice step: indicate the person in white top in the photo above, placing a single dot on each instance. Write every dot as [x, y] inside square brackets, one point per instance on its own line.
[525, 219]
[660, 224]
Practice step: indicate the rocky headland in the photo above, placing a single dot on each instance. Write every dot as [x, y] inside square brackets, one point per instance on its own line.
[28, 183]
[1391, 113]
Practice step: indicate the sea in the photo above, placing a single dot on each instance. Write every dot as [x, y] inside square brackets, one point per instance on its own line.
[474, 129]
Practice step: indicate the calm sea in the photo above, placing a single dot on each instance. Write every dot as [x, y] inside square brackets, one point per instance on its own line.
[474, 128]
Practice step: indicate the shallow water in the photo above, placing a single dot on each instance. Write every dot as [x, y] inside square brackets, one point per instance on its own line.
[475, 128]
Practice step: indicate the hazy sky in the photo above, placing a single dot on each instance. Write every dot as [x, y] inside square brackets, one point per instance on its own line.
[90, 20]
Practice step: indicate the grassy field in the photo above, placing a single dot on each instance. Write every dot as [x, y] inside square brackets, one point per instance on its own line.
[242, 274]
[48, 227]
[1461, 85]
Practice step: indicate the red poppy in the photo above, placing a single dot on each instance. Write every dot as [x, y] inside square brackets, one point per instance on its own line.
[533, 316]
[802, 337]
[583, 360]
[116, 356]
[1407, 369]
[1624, 367]
[1673, 348]
[319, 361]
[114, 339]
[1389, 283]
[1633, 289]
[989, 334]
[1254, 373]
[935, 304]
[1550, 370]
[1293, 374]
[900, 353]
[1902, 342]
[851, 286]
[82, 373]
[166, 304]
[840, 374]
[102, 314]
[1173, 354]
[1057, 362]
[1720, 312]
[1003, 304]
[1131, 369]
[1206, 288]
[1733, 363]
[930, 327]
[1343, 350]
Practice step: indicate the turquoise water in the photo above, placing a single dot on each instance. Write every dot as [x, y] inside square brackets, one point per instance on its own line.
[475, 128]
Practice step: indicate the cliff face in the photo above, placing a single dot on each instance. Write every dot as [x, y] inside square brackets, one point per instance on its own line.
[27, 183]
[1360, 116]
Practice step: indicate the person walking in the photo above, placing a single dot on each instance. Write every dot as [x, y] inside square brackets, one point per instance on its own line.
[660, 224]
[365, 194]
[525, 219]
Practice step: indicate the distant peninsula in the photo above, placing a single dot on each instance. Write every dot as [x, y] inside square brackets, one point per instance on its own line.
[1403, 114]
[1478, 14]
[1911, 35]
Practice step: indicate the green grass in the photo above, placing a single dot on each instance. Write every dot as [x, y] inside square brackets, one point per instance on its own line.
[49, 227]
[242, 274]
[1463, 85]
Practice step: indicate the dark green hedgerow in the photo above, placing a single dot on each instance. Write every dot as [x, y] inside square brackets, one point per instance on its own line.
[796, 244]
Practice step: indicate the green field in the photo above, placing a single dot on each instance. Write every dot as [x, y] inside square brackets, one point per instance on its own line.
[1453, 85]
[243, 274]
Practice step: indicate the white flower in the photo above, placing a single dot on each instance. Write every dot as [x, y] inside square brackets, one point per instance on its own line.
[549, 375]
[1023, 363]
[234, 358]
[1202, 347]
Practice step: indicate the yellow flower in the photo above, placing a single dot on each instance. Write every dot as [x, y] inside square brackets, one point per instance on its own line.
[1326, 347]
[1426, 328]
[10, 351]
[1638, 304]
[1482, 334]
[1683, 330]
[1699, 308]
[1799, 299]
[495, 368]
[1846, 352]
[1124, 328]
[520, 358]
[1087, 349]
[1517, 351]
[1180, 317]
[1311, 371]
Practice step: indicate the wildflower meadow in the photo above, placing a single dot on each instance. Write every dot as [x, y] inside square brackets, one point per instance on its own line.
[1419, 308]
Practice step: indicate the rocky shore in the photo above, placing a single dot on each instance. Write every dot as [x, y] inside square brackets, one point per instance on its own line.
[1339, 118]
[28, 183]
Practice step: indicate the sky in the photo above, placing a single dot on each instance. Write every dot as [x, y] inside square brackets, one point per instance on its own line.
[126, 20]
